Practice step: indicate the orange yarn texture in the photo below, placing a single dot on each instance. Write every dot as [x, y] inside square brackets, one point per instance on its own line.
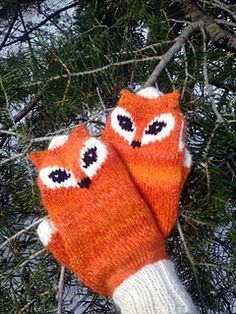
[149, 135]
[106, 232]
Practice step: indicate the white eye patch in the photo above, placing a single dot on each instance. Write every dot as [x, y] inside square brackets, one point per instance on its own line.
[123, 124]
[56, 177]
[159, 128]
[92, 156]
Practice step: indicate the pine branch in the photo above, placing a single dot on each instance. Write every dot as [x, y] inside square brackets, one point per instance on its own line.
[190, 258]
[180, 40]
[20, 115]
[24, 230]
[93, 71]
[25, 262]
[14, 19]
[219, 37]
[48, 18]
[206, 81]
[220, 5]
[27, 305]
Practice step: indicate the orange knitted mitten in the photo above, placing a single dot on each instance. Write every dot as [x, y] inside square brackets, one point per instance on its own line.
[148, 132]
[100, 226]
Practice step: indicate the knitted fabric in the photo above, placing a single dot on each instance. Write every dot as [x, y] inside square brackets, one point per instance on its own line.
[51, 239]
[149, 135]
[155, 289]
[154, 92]
[104, 226]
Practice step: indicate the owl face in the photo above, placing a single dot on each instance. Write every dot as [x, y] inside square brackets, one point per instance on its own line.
[138, 123]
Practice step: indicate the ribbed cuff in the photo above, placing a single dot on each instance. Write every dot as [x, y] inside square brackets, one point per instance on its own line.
[155, 289]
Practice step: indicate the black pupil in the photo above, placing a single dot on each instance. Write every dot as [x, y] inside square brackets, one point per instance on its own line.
[59, 176]
[155, 127]
[90, 157]
[125, 123]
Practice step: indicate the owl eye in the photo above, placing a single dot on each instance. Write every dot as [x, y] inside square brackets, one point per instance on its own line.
[57, 177]
[92, 156]
[123, 124]
[158, 128]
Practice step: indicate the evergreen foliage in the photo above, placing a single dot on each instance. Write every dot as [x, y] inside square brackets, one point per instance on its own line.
[53, 79]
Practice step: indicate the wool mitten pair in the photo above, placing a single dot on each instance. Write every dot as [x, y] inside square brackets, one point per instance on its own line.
[106, 234]
[101, 228]
[147, 130]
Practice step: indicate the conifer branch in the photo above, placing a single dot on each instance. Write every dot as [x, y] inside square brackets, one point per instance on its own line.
[36, 27]
[219, 37]
[20, 115]
[27, 305]
[14, 19]
[92, 71]
[24, 230]
[209, 93]
[25, 262]
[180, 40]
[189, 256]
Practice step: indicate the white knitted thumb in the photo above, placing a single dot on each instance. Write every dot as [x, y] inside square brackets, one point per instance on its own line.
[155, 289]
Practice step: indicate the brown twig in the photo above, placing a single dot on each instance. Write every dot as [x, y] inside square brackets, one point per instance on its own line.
[48, 18]
[60, 290]
[180, 40]
[24, 230]
[11, 26]
[20, 115]
[207, 87]
[219, 37]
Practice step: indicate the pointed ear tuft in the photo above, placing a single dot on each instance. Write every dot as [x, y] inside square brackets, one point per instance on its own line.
[176, 95]
[124, 94]
[36, 158]
[126, 97]
[172, 99]
[80, 132]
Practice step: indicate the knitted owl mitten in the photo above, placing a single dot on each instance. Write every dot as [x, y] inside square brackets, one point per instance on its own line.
[148, 132]
[101, 229]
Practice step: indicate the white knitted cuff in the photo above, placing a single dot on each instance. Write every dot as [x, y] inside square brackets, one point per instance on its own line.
[155, 289]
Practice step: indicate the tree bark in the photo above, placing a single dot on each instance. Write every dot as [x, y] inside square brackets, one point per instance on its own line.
[219, 37]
